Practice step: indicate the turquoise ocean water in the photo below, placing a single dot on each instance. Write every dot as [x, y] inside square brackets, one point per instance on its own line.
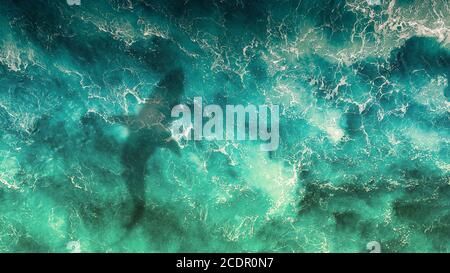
[364, 126]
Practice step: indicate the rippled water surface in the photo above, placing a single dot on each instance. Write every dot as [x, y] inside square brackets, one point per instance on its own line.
[364, 126]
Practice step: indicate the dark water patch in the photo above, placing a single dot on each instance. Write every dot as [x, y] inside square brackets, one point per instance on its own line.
[403, 3]
[346, 220]
[160, 55]
[421, 53]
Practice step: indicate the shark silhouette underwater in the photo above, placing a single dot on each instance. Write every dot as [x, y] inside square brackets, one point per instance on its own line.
[148, 131]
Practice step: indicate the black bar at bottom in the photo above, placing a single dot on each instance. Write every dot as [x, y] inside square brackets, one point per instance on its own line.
[220, 262]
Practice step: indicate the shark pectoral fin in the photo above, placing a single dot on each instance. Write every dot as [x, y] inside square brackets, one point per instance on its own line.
[172, 145]
[122, 120]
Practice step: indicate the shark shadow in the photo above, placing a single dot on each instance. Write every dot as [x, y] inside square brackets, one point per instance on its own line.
[148, 131]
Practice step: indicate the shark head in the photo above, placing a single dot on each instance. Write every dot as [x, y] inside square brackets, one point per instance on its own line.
[170, 88]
